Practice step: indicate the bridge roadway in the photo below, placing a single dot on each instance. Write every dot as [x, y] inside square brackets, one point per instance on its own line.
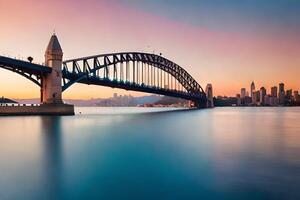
[135, 87]
[29, 70]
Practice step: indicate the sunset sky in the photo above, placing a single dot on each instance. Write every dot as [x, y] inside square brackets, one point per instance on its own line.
[227, 43]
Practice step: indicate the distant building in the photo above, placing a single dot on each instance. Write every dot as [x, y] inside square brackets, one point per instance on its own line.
[255, 97]
[281, 87]
[239, 101]
[225, 101]
[115, 100]
[248, 100]
[289, 94]
[296, 96]
[274, 91]
[252, 89]
[209, 94]
[281, 94]
[243, 96]
[262, 93]
[267, 100]
[273, 101]
[115, 95]
[243, 93]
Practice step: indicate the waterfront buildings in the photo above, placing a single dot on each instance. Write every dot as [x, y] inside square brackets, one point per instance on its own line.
[243, 95]
[289, 94]
[262, 93]
[273, 101]
[254, 94]
[296, 96]
[281, 94]
[239, 102]
[255, 97]
[262, 98]
[267, 100]
[274, 91]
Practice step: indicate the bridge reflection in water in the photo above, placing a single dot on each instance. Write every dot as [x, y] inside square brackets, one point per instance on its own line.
[52, 160]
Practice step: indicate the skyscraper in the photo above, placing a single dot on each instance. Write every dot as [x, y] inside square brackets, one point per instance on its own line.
[255, 97]
[252, 89]
[257, 93]
[238, 100]
[243, 95]
[281, 94]
[209, 94]
[263, 93]
[274, 91]
[289, 94]
[281, 87]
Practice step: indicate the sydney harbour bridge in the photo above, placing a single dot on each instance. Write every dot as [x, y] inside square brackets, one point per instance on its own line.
[133, 71]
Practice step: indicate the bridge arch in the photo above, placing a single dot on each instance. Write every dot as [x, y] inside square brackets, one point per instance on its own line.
[142, 72]
[82, 66]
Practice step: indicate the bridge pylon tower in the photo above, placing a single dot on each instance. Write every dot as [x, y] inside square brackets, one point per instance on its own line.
[51, 89]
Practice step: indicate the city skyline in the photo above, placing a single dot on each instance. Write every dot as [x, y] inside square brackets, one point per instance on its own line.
[277, 95]
[232, 41]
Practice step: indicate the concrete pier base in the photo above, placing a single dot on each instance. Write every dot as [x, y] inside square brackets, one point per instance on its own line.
[43, 109]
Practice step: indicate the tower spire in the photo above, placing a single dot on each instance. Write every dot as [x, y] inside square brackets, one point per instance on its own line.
[54, 46]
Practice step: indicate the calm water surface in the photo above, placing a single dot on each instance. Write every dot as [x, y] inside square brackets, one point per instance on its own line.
[152, 153]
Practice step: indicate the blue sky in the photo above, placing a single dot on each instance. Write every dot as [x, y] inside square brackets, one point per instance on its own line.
[231, 15]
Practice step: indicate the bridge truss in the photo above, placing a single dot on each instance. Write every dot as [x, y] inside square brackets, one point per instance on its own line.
[134, 71]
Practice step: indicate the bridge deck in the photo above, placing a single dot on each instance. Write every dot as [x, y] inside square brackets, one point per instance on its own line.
[28, 67]
[135, 87]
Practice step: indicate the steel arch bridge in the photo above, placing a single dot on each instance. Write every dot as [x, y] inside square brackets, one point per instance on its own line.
[134, 71]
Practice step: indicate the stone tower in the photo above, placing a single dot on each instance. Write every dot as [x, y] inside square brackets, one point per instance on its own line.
[51, 92]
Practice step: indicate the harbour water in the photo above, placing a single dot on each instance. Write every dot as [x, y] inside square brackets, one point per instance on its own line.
[152, 153]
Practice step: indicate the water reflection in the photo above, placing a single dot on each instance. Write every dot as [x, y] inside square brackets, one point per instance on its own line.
[223, 153]
[253, 153]
[51, 131]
